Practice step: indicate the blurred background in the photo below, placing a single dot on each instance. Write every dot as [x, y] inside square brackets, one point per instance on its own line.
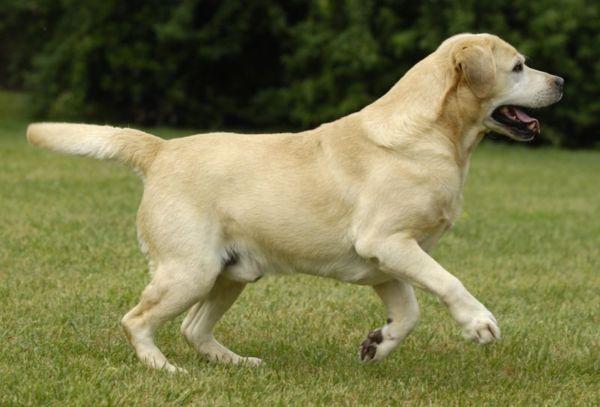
[267, 65]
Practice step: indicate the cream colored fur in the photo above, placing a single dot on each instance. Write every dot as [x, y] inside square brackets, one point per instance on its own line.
[362, 199]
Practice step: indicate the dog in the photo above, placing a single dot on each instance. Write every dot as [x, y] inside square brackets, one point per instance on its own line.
[362, 199]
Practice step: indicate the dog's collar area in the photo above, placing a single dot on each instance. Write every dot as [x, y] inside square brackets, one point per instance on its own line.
[520, 124]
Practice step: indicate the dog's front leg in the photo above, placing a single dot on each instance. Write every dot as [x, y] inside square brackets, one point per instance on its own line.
[402, 258]
[403, 313]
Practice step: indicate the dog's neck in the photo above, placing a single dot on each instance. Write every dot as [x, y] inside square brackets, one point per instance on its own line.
[432, 115]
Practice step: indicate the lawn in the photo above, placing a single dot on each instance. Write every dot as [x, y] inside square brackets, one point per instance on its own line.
[527, 245]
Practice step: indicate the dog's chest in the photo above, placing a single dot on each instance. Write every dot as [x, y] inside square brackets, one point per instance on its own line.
[430, 239]
[444, 212]
[451, 211]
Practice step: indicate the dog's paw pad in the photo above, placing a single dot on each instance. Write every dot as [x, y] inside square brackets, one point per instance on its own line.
[368, 348]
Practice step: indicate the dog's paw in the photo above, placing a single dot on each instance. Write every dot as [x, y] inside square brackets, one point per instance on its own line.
[377, 346]
[250, 362]
[482, 329]
[176, 369]
[368, 349]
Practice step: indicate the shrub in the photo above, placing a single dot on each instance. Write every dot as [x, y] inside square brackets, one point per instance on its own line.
[269, 65]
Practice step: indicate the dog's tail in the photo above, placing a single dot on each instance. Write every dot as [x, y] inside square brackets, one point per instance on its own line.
[132, 147]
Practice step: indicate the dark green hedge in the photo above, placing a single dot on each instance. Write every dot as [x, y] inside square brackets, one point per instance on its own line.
[265, 64]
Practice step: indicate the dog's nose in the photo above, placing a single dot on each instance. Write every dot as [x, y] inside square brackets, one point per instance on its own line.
[559, 82]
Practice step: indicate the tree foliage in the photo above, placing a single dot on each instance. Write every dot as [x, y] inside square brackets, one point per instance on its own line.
[269, 64]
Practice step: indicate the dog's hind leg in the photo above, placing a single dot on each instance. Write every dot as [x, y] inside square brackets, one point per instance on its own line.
[403, 313]
[197, 327]
[175, 287]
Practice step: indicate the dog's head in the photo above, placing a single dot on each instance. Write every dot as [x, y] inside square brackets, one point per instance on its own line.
[501, 83]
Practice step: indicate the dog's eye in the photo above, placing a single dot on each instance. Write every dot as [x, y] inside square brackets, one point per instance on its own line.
[518, 67]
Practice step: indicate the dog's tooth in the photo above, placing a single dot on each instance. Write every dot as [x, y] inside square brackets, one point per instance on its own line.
[534, 126]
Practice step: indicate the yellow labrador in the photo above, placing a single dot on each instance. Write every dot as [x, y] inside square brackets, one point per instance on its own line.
[362, 199]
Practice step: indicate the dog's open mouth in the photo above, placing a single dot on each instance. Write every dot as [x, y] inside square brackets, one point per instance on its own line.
[517, 122]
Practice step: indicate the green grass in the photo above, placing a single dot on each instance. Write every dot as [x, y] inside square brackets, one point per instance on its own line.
[527, 246]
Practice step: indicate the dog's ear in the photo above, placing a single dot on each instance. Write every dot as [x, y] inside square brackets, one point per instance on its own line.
[475, 63]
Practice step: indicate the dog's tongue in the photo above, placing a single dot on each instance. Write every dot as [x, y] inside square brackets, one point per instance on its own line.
[524, 117]
[512, 112]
